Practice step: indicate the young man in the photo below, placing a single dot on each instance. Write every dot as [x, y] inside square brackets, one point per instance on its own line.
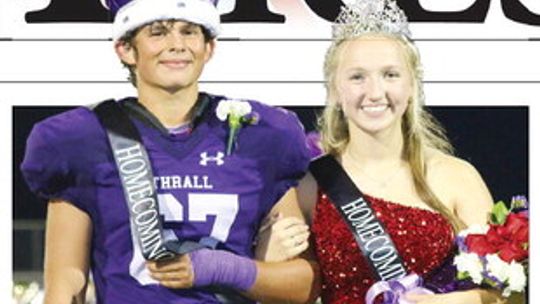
[216, 174]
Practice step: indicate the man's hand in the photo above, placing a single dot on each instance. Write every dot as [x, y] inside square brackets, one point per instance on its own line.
[173, 273]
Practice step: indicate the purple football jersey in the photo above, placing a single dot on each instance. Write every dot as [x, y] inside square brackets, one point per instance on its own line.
[201, 191]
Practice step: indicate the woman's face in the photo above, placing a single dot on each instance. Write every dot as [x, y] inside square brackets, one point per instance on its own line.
[373, 83]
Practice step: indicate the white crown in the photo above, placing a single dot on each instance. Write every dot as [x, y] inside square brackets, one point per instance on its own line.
[139, 12]
[370, 16]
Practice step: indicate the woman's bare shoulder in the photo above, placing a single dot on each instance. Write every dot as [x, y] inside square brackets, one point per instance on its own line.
[458, 185]
[448, 166]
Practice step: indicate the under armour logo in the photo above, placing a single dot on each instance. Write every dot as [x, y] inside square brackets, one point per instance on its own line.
[218, 158]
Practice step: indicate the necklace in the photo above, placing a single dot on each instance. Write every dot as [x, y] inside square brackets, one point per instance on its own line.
[382, 183]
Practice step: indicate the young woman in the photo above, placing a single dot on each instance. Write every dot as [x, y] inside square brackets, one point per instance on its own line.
[376, 128]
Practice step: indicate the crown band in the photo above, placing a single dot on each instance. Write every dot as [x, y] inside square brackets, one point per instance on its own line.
[140, 12]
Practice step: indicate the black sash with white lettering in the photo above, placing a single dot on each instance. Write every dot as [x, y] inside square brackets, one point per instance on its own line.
[137, 179]
[133, 165]
[370, 234]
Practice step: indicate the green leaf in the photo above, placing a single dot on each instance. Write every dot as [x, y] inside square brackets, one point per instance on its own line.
[490, 282]
[462, 275]
[499, 213]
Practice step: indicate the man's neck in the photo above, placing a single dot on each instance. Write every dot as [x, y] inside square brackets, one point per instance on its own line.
[171, 109]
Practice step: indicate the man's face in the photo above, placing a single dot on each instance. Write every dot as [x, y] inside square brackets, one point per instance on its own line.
[168, 55]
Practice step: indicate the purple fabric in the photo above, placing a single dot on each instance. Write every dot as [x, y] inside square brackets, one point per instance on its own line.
[314, 144]
[441, 280]
[444, 279]
[394, 290]
[460, 241]
[75, 164]
[219, 267]
[115, 5]
[498, 283]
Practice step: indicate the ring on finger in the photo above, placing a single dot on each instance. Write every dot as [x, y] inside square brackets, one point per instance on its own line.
[297, 242]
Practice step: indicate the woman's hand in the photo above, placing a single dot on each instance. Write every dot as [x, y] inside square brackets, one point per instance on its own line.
[282, 238]
[458, 297]
[474, 296]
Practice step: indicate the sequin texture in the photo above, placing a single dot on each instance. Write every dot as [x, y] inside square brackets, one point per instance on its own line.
[423, 238]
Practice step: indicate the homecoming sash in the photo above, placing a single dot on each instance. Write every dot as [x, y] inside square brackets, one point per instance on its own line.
[137, 179]
[369, 233]
[135, 170]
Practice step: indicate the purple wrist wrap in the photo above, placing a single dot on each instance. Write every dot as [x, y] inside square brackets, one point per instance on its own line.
[219, 267]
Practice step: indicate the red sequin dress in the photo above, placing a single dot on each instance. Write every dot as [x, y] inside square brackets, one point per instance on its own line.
[423, 238]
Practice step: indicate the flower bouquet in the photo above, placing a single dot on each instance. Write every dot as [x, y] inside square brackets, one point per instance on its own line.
[494, 255]
[497, 254]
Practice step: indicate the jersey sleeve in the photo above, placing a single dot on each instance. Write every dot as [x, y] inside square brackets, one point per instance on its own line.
[47, 166]
[295, 156]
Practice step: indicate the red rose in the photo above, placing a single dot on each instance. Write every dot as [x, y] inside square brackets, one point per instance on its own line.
[496, 236]
[515, 223]
[522, 236]
[513, 252]
[479, 244]
[509, 240]
[516, 232]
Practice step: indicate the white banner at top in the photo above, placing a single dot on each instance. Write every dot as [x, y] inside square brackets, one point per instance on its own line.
[283, 19]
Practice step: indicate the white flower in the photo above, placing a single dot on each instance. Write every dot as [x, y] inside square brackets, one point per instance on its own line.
[516, 277]
[241, 108]
[497, 267]
[223, 109]
[474, 229]
[511, 274]
[471, 264]
[237, 108]
[235, 112]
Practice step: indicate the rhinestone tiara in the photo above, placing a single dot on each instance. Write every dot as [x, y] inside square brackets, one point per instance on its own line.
[370, 16]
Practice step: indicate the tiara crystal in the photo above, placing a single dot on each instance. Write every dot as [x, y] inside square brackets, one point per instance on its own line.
[370, 16]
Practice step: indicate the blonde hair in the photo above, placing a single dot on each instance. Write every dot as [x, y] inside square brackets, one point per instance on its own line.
[419, 128]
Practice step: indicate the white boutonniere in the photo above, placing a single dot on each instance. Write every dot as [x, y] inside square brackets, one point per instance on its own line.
[237, 113]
